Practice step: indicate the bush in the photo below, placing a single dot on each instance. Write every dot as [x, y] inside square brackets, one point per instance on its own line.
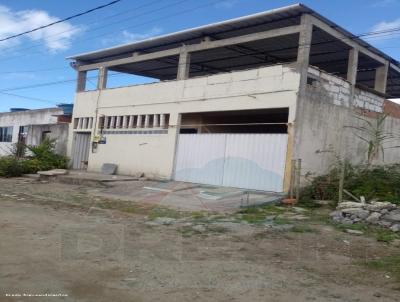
[10, 166]
[376, 182]
[43, 158]
[31, 166]
[46, 156]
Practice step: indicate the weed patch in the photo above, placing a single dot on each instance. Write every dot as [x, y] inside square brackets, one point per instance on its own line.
[389, 264]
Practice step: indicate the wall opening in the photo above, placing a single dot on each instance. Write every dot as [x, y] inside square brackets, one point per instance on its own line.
[243, 121]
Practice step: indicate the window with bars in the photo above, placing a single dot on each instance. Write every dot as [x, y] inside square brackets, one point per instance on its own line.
[83, 123]
[6, 134]
[143, 121]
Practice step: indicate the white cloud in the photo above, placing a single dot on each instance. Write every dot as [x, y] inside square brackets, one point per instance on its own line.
[18, 76]
[385, 3]
[57, 37]
[384, 26]
[226, 4]
[128, 37]
[133, 37]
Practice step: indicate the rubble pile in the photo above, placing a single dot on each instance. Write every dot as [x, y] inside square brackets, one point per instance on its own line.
[384, 214]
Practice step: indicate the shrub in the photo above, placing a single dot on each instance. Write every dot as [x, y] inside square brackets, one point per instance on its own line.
[376, 182]
[42, 158]
[31, 166]
[46, 155]
[10, 166]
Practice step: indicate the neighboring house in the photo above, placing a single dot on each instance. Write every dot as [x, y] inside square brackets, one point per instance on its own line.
[32, 126]
[233, 103]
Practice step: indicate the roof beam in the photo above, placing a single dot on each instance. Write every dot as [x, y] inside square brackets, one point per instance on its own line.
[396, 68]
[335, 33]
[206, 45]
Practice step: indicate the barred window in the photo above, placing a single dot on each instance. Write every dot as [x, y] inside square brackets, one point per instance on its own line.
[6, 134]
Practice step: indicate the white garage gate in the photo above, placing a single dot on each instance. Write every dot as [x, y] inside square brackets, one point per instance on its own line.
[249, 161]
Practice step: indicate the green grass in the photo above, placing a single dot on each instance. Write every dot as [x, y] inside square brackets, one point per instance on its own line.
[379, 233]
[389, 264]
[257, 214]
[166, 212]
[385, 235]
[302, 228]
[279, 220]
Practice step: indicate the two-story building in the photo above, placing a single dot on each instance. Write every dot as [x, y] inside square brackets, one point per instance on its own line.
[233, 103]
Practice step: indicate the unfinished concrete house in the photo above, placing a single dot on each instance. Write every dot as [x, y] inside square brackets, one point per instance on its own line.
[32, 126]
[233, 103]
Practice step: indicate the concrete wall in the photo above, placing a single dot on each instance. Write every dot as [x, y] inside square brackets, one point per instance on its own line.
[59, 132]
[267, 87]
[27, 118]
[324, 129]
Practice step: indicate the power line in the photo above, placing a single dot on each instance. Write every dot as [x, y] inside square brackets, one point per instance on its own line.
[60, 21]
[16, 48]
[133, 26]
[33, 70]
[29, 98]
[169, 16]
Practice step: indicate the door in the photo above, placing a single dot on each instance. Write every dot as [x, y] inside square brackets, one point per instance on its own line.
[249, 161]
[80, 151]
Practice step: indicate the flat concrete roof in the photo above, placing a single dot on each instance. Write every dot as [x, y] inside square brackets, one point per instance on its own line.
[237, 24]
[30, 111]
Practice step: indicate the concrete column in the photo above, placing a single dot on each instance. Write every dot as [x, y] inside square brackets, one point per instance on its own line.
[90, 125]
[303, 59]
[183, 65]
[381, 76]
[112, 122]
[352, 69]
[102, 78]
[81, 81]
[352, 66]
[131, 121]
[303, 53]
[118, 123]
[147, 121]
[162, 120]
[139, 121]
[155, 121]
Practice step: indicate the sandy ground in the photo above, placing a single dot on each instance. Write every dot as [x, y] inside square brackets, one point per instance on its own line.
[50, 244]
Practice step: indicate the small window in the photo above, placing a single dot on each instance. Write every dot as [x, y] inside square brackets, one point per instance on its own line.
[76, 121]
[6, 134]
[101, 122]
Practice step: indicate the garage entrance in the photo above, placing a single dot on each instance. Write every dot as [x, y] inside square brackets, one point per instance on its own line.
[246, 150]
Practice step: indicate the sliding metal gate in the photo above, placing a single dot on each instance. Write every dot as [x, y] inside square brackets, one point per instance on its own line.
[80, 151]
[249, 161]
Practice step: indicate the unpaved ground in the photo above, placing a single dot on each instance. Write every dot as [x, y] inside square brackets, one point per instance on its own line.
[51, 243]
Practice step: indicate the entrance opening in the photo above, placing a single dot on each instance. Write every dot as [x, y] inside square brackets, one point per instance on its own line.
[243, 121]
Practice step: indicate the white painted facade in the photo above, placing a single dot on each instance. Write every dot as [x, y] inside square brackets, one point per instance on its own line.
[35, 121]
[226, 68]
[261, 88]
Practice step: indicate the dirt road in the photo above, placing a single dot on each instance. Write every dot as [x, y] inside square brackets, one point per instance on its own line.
[47, 247]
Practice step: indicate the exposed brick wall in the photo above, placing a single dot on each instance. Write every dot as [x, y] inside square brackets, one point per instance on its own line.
[392, 109]
[335, 90]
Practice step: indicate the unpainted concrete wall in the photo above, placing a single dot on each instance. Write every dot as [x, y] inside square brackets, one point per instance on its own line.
[59, 132]
[326, 120]
[267, 87]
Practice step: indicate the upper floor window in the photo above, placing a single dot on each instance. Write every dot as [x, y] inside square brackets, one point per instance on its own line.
[6, 134]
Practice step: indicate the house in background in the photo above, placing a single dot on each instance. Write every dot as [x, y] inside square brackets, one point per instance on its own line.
[32, 126]
[235, 102]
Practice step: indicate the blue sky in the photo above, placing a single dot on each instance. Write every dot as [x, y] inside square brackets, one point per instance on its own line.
[40, 57]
